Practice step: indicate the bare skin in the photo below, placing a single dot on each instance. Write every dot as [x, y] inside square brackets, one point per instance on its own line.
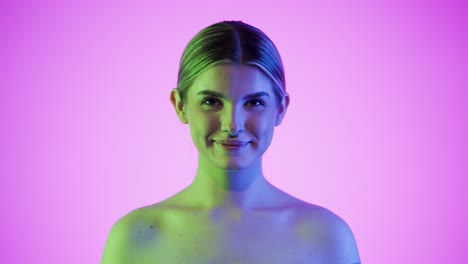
[179, 231]
[231, 213]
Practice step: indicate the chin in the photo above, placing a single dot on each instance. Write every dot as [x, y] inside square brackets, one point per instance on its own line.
[236, 165]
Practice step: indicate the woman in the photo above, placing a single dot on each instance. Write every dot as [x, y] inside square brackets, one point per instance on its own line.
[231, 93]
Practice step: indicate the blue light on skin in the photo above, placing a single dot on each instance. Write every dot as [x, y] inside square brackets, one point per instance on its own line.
[231, 213]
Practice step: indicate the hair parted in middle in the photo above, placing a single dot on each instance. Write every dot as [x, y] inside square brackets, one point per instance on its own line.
[233, 43]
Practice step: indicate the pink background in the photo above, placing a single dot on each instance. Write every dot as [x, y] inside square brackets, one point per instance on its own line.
[376, 131]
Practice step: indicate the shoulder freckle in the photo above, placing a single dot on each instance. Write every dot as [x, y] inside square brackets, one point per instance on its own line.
[142, 233]
[130, 237]
[142, 228]
[135, 229]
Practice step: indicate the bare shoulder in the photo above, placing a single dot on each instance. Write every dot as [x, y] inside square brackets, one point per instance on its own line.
[328, 233]
[130, 234]
[133, 237]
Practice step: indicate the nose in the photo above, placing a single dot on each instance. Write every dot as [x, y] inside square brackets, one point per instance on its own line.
[232, 121]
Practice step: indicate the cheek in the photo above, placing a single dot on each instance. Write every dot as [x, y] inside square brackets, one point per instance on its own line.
[202, 125]
[262, 126]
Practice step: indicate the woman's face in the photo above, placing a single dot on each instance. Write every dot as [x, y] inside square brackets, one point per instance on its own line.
[232, 112]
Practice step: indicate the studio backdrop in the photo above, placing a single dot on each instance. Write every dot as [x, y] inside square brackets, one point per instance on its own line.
[376, 130]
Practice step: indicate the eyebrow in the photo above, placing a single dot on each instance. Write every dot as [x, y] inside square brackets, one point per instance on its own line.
[222, 96]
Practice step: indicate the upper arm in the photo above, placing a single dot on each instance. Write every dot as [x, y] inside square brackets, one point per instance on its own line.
[131, 239]
[116, 247]
[329, 236]
[342, 247]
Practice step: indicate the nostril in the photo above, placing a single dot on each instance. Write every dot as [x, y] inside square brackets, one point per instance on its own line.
[233, 135]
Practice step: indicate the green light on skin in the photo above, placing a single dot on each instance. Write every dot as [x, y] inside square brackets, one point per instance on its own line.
[230, 213]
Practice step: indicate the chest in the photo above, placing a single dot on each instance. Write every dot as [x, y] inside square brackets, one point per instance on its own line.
[230, 239]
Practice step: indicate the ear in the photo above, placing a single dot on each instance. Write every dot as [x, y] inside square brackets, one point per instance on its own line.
[282, 107]
[179, 106]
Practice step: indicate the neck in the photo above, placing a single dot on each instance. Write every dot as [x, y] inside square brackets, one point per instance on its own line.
[217, 187]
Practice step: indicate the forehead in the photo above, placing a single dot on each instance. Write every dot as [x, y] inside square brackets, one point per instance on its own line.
[233, 80]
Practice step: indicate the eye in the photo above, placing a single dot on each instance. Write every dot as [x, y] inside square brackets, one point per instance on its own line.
[255, 102]
[211, 102]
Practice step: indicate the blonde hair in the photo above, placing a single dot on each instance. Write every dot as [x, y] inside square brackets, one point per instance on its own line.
[230, 42]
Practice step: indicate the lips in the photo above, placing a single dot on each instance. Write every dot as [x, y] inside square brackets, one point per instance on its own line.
[232, 145]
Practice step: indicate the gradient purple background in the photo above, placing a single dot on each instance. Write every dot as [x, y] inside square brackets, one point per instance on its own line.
[376, 131]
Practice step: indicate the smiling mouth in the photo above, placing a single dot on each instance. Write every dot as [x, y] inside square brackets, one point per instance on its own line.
[232, 146]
